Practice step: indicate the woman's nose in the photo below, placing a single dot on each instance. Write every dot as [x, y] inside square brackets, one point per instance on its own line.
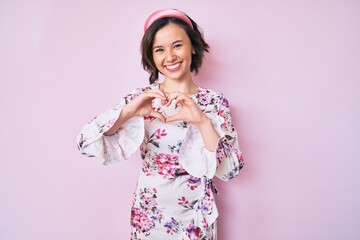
[170, 57]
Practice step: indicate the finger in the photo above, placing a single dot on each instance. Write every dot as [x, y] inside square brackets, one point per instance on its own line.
[173, 118]
[158, 116]
[178, 104]
[157, 91]
[164, 101]
[175, 97]
[174, 94]
[157, 94]
[185, 100]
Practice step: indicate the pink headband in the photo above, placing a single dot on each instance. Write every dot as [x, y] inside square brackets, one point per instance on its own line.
[166, 13]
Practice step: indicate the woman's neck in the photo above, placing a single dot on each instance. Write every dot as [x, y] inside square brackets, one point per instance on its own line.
[185, 87]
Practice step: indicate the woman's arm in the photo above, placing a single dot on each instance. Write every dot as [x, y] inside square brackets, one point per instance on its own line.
[208, 133]
[123, 117]
[116, 134]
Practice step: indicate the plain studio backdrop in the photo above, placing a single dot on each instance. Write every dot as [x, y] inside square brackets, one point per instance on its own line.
[290, 70]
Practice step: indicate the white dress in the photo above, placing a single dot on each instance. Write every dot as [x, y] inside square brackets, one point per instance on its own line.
[174, 194]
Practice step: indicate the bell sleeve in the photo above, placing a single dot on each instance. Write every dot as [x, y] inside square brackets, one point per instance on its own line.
[227, 160]
[119, 146]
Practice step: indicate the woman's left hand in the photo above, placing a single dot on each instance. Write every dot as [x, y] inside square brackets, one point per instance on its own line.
[189, 111]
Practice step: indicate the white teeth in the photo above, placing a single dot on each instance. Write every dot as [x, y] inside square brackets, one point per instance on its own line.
[173, 66]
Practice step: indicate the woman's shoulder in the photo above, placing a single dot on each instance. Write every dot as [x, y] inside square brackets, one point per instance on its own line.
[145, 88]
[216, 98]
[132, 94]
[203, 91]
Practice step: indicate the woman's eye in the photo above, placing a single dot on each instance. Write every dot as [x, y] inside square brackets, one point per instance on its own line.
[159, 50]
[177, 46]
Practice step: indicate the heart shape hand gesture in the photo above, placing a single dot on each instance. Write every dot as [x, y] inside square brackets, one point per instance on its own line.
[189, 111]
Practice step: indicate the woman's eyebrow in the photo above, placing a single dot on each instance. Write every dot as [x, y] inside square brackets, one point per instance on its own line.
[177, 41]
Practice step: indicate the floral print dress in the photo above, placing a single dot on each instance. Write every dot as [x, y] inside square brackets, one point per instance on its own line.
[174, 196]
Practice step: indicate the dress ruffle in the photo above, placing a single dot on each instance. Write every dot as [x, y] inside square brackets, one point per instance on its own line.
[193, 156]
[119, 146]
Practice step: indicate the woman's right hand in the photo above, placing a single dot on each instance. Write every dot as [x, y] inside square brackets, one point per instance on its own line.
[140, 106]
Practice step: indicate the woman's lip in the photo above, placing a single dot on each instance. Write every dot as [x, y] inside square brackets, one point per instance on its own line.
[175, 65]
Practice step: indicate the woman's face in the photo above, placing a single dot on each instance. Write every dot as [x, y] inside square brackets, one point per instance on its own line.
[172, 51]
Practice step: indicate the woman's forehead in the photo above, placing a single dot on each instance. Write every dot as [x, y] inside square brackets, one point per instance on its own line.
[170, 34]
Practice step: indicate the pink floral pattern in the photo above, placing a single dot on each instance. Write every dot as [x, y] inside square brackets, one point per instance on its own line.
[167, 164]
[146, 214]
[169, 202]
[194, 232]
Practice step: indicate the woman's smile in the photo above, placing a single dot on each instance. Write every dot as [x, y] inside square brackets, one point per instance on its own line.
[173, 67]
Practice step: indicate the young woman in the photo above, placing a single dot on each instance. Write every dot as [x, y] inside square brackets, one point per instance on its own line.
[184, 132]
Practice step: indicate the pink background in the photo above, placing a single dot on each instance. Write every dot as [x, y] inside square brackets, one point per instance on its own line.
[290, 69]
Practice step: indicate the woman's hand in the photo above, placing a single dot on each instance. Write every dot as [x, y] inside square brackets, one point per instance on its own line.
[189, 111]
[142, 105]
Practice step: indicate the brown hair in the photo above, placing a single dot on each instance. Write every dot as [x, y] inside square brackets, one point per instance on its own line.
[195, 35]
